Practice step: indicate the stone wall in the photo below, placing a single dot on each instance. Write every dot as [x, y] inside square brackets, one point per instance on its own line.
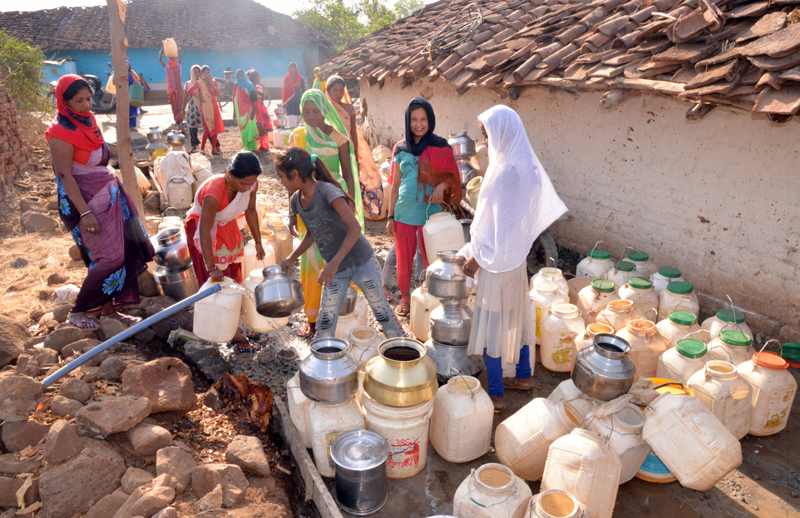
[15, 157]
[718, 197]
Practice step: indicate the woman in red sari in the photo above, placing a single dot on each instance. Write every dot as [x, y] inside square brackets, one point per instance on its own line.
[174, 83]
[95, 208]
[207, 91]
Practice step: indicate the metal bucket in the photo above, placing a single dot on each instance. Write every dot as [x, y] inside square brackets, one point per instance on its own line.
[176, 284]
[361, 482]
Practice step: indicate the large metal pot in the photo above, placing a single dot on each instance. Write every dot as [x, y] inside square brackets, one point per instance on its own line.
[446, 278]
[452, 360]
[176, 139]
[278, 296]
[171, 248]
[463, 146]
[402, 374]
[349, 304]
[361, 480]
[176, 284]
[451, 322]
[329, 374]
[604, 370]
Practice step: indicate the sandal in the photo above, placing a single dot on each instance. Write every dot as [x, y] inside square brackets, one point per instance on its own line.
[83, 322]
[403, 308]
[247, 348]
[307, 330]
[518, 384]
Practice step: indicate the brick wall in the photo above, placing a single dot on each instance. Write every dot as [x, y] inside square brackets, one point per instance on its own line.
[15, 157]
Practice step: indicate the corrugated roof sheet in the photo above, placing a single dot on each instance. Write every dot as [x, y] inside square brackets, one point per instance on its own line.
[744, 53]
[205, 24]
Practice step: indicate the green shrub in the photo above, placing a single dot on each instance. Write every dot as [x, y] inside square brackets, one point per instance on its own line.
[21, 72]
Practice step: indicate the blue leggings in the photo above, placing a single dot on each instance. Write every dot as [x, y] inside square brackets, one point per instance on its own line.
[494, 370]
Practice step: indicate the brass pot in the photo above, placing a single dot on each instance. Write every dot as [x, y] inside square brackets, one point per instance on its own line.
[402, 374]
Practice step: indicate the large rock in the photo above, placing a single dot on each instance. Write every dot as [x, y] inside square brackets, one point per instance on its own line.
[60, 338]
[146, 501]
[111, 368]
[36, 222]
[134, 478]
[13, 336]
[108, 505]
[79, 347]
[113, 415]
[148, 438]
[18, 397]
[247, 452]
[234, 483]
[10, 464]
[166, 382]
[76, 485]
[62, 443]
[8, 492]
[19, 435]
[73, 388]
[65, 407]
[177, 463]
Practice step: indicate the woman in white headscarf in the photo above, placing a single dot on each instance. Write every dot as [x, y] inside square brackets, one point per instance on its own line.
[517, 202]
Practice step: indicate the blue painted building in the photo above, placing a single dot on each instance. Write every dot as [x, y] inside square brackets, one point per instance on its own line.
[218, 33]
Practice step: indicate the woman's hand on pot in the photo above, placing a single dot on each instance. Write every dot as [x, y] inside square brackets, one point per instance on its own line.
[390, 227]
[260, 253]
[471, 267]
[327, 274]
[90, 224]
[437, 196]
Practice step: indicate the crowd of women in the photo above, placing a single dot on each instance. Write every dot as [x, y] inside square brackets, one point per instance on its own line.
[333, 184]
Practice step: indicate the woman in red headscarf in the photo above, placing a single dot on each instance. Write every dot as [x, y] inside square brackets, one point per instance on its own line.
[95, 208]
[293, 87]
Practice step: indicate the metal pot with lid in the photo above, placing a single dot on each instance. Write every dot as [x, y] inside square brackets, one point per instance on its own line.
[463, 146]
[172, 250]
[329, 374]
[451, 322]
[278, 296]
[402, 374]
[604, 370]
[361, 481]
[446, 278]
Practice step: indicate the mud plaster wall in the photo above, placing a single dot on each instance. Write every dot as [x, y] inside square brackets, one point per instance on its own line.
[719, 198]
[15, 157]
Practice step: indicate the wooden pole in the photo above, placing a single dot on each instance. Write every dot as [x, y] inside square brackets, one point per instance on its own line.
[116, 19]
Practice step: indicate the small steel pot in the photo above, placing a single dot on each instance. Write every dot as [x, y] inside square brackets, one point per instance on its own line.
[451, 322]
[171, 248]
[176, 284]
[446, 278]
[361, 481]
[452, 360]
[349, 304]
[278, 296]
[604, 371]
[329, 374]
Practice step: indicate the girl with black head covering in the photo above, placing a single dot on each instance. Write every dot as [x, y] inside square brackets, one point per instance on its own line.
[425, 174]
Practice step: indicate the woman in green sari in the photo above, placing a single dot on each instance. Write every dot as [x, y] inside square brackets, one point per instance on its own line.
[326, 137]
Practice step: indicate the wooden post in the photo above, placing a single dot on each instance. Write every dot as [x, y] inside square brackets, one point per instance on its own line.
[116, 19]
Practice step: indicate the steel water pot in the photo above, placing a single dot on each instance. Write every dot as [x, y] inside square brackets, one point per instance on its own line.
[278, 296]
[329, 374]
[604, 370]
[453, 360]
[402, 375]
[171, 249]
[446, 278]
[451, 322]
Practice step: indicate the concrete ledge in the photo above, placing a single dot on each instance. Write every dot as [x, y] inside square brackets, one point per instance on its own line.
[314, 485]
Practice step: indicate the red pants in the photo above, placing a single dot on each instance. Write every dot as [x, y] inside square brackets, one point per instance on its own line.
[233, 271]
[405, 241]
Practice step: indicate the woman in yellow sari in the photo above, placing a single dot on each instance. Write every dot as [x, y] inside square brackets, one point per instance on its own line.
[371, 186]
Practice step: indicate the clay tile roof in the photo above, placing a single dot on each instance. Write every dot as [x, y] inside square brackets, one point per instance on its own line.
[742, 53]
[205, 24]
